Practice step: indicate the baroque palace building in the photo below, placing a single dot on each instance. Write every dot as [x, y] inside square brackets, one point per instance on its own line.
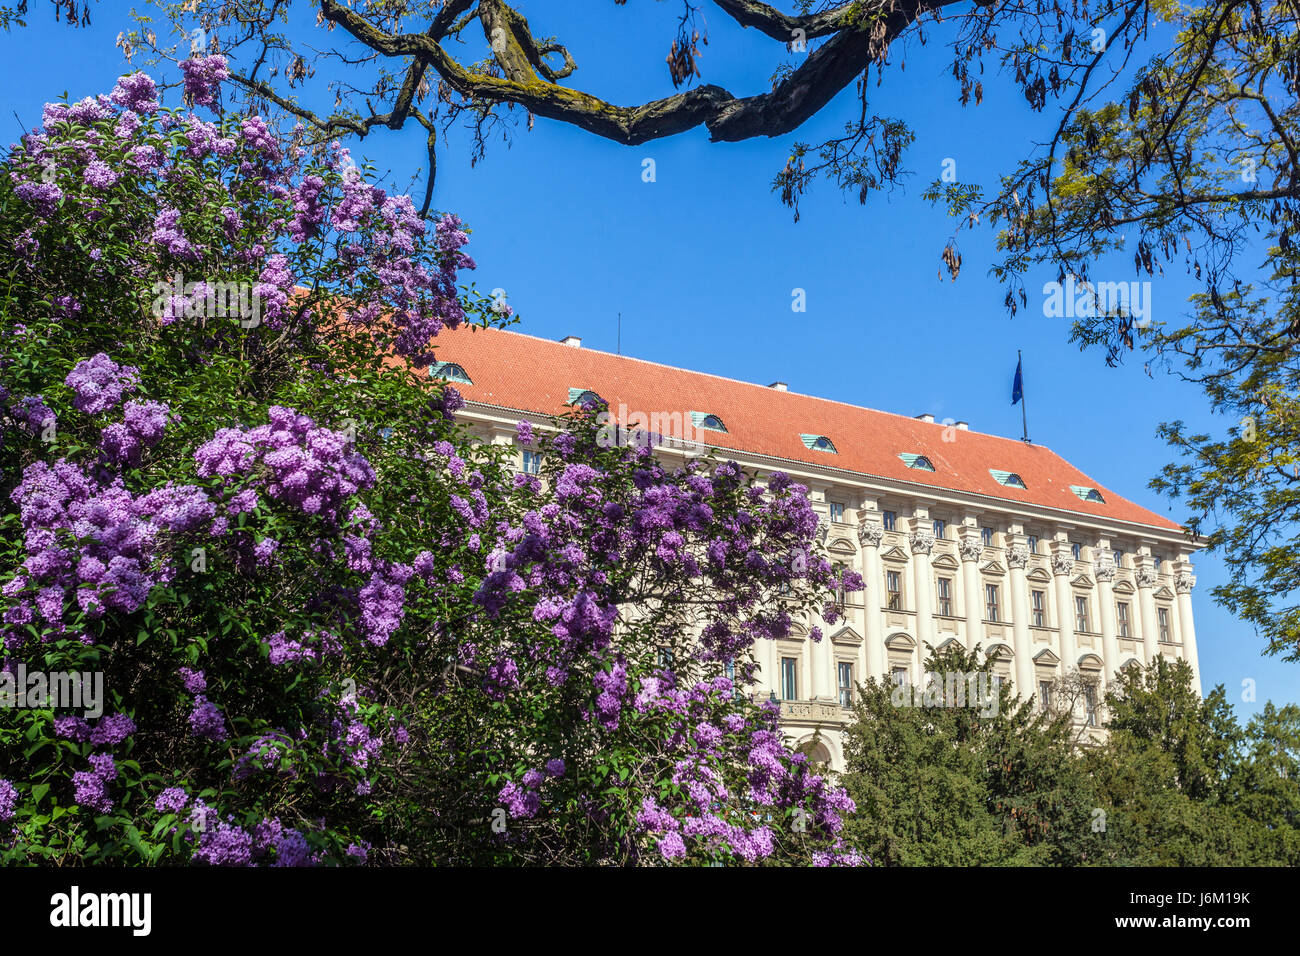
[960, 536]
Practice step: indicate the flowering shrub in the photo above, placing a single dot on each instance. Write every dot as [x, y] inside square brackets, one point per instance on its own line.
[331, 628]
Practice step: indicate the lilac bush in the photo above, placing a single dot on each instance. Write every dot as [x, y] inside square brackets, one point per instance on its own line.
[332, 628]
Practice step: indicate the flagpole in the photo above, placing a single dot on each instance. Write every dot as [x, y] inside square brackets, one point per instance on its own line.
[1024, 418]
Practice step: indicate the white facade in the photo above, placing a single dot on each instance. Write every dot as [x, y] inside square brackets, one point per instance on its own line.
[1044, 591]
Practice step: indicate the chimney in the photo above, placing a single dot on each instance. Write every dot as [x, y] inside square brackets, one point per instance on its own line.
[926, 417]
[779, 386]
[964, 426]
[572, 341]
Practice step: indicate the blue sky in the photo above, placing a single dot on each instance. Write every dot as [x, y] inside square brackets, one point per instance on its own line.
[702, 262]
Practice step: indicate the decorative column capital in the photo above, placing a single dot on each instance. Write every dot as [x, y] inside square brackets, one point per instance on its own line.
[823, 528]
[871, 533]
[1103, 566]
[1062, 564]
[970, 547]
[922, 541]
[1184, 582]
[1018, 557]
[1146, 577]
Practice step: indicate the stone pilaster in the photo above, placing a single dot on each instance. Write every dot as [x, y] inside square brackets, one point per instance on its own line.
[1017, 562]
[870, 534]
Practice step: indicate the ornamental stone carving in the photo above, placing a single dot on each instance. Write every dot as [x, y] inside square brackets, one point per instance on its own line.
[1104, 568]
[971, 548]
[1146, 577]
[871, 534]
[1184, 582]
[1018, 557]
[1062, 564]
[922, 542]
[823, 527]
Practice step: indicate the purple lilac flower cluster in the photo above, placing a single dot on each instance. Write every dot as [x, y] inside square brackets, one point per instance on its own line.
[203, 77]
[141, 428]
[8, 800]
[303, 465]
[522, 800]
[98, 383]
[96, 545]
[207, 720]
[91, 786]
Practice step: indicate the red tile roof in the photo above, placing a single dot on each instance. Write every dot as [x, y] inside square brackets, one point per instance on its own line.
[528, 374]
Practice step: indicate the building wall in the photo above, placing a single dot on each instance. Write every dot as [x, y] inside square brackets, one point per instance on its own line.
[1096, 616]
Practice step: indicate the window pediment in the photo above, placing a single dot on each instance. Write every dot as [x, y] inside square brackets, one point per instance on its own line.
[1090, 662]
[846, 635]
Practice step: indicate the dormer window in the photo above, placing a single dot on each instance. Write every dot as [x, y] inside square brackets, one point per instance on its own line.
[585, 397]
[450, 372]
[1008, 478]
[818, 443]
[704, 420]
[917, 461]
[1088, 494]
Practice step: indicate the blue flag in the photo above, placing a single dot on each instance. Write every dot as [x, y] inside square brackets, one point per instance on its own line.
[1018, 386]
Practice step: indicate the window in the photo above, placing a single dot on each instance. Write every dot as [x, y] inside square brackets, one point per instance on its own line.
[1121, 613]
[841, 595]
[730, 671]
[1118, 555]
[712, 422]
[1088, 494]
[890, 520]
[1033, 544]
[899, 676]
[837, 511]
[1081, 614]
[945, 597]
[846, 683]
[1076, 550]
[1162, 619]
[665, 657]
[789, 679]
[998, 681]
[917, 461]
[1007, 478]
[991, 603]
[532, 462]
[1038, 602]
[450, 372]
[894, 588]
[818, 443]
[940, 529]
[1158, 560]
[986, 535]
[1045, 694]
[1090, 703]
[585, 396]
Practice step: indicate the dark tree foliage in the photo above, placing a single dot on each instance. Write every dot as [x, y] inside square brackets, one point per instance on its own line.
[1176, 782]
